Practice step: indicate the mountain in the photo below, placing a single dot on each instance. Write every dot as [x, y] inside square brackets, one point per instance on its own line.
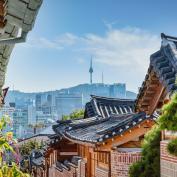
[107, 90]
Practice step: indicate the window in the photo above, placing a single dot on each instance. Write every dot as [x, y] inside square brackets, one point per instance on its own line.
[103, 157]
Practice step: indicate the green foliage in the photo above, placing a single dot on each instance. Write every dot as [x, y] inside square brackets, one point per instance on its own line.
[168, 121]
[26, 148]
[136, 169]
[8, 152]
[74, 115]
[65, 117]
[172, 147]
[149, 166]
[168, 118]
[13, 171]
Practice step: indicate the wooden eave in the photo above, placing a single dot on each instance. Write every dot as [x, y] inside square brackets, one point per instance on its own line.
[127, 136]
[118, 139]
[151, 93]
[85, 143]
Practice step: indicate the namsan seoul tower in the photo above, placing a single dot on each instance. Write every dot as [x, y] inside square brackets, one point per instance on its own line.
[91, 71]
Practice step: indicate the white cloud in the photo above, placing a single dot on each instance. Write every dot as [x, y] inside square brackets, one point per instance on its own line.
[128, 47]
[80, 60]
[67, 39]
[123, 54]
[59, 43]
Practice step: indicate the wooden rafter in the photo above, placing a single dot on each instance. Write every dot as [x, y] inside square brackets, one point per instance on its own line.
[3, 10]
[135, 132]
[151, 93]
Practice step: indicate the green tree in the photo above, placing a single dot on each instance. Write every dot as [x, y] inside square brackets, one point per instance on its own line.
[150, 163]
[172, 147]
[168, 118]
[26, 148]
[168, 121]
[77, 114]
[149, 166]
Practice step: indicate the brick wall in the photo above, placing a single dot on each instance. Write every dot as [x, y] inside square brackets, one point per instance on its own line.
[101, 172]
[168, 163]
[121, 161]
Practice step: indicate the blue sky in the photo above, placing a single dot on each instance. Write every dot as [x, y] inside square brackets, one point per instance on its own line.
[119, 34]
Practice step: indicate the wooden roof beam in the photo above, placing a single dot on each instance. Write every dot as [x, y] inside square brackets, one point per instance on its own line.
[152, 86]
[147, 98]
[156, 99]
[145, 103]
[150, 92]
[127, 136]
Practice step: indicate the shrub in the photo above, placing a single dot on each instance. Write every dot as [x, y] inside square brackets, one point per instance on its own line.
[26, 148]
[149, 166]
[77, 114]
[9, 159]
[172, 147]
[168, 118]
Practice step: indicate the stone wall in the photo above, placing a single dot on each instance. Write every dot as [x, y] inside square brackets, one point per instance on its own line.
[121, 161]
[168, 163]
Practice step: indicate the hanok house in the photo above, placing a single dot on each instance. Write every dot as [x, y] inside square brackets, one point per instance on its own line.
[108, 139]
[158, 86]
[39, 161]
[104, 143]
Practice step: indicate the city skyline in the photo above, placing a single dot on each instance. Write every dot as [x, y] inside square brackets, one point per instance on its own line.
[30, 109]
[82, 30]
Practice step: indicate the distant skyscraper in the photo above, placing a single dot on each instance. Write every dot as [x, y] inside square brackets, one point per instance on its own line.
[91, 71]
[31, 115]
[38, 102]
[49, 99]
[20, 122]
[67, 103]
[118, 90]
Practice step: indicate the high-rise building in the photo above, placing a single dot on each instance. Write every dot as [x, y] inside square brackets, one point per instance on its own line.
[31, 115]
[47, 108]
[67, 103]
[117, 90]
[20, 119]
[49, 100]
[38, 102]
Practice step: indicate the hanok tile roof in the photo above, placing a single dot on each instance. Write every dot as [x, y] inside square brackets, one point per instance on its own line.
[164, 64]
[37, 158]
[97, 129]
[16, 16]
[104, 106]
[161, 76]
[47, 131]
[66, 164]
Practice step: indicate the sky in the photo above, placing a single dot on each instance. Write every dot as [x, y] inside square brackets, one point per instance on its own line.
[120, 35]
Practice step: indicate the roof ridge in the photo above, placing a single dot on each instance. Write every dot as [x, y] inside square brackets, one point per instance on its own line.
[111, 98]
[171, 38]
